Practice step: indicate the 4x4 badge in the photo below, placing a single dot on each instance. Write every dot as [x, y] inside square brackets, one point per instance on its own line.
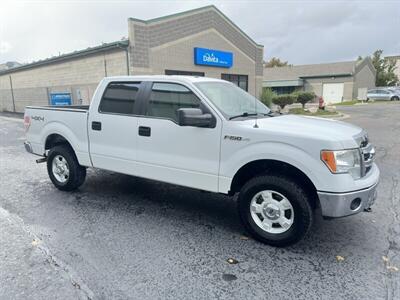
[37, 118]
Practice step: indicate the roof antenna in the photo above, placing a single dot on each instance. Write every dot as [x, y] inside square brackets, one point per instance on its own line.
[255, 86]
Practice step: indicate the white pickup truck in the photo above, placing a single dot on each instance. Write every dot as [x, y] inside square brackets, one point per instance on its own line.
[210, 135]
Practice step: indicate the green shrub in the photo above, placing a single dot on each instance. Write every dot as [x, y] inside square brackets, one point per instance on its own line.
[266, 96]
[283, 100]
[304, 97]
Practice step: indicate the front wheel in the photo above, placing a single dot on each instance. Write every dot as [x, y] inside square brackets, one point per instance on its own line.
[394, 98]
[64, 169]
[275, 210]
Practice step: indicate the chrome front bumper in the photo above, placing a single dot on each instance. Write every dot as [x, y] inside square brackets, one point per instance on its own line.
[335, 205]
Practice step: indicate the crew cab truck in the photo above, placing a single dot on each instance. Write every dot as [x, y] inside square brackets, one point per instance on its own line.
[209, 134]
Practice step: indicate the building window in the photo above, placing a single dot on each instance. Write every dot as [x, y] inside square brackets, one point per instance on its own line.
[167, 98]
[283, 89]
[187, 73]
[241, 81]
[119, 98]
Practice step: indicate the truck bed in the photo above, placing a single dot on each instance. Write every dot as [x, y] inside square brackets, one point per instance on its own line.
[70, 122]
[62, 107]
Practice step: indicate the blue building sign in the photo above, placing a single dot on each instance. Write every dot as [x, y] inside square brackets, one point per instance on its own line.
[60, 99]
[211, 57]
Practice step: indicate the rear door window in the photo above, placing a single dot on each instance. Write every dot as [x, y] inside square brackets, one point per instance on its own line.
[120, 98]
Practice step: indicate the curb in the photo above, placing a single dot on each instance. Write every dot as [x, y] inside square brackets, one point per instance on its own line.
[340, 117]
[13, 119]
[15, 115]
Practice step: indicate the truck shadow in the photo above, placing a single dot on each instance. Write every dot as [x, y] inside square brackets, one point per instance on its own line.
[203, 211]
[142, 196]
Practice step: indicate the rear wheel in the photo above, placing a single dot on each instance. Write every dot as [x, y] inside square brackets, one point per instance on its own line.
[275, 210]
[64, 169]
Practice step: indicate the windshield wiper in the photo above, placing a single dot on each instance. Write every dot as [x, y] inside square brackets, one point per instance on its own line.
[245, 114]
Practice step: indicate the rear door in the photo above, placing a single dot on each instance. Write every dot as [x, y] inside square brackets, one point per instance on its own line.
[113, 128]
[183, 155]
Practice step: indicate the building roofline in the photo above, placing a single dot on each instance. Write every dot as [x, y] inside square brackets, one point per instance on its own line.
[88, 51]
[392, 57]
[327, 75]
[203, 8]
[317, 64]
[166, 17]
[361, 63]
[310, 76]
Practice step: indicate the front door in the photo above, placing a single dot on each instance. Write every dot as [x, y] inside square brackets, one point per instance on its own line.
[112, 129]
[182, 155]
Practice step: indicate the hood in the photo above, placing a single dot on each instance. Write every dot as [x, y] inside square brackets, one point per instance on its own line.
[311, 127]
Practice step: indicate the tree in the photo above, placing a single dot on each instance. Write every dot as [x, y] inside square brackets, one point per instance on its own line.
[266, 96]
[385, 68]
[304, 97]
[283, 100]
[275, 62]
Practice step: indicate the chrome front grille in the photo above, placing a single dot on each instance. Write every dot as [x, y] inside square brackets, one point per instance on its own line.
[364, 142]
[367, 155]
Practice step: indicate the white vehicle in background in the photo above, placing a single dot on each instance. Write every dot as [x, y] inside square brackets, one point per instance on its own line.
[396, 89]
[388, 94]
[210, 135]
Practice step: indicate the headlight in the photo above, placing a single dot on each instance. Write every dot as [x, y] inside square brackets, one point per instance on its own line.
[343, 161]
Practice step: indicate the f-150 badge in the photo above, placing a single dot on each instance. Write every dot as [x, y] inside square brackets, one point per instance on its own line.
[235, 138]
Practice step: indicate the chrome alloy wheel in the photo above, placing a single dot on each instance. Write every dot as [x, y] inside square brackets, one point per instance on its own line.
[60, 168]
[272, 211]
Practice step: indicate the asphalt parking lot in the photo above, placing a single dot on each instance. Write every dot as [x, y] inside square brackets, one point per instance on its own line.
[121, 237]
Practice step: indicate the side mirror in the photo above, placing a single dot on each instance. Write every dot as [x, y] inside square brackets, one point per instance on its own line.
[194, 117]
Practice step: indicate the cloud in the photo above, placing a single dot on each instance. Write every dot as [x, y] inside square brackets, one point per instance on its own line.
[5, 47]
[297, 31]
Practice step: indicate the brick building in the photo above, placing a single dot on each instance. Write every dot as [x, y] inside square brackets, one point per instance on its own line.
[335, 82]
[201, 42]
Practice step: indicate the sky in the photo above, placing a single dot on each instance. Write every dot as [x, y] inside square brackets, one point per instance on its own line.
[300, 32]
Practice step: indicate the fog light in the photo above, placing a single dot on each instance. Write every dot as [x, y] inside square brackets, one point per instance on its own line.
[355, 204]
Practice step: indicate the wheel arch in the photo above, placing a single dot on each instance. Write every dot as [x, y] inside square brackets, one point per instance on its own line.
[274, 167]
[55, 139]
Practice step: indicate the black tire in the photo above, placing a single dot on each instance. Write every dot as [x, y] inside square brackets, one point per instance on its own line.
[394, 98]
[77, 173]
[298, 198]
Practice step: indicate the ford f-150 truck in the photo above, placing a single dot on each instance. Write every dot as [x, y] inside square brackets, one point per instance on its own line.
[209, 134]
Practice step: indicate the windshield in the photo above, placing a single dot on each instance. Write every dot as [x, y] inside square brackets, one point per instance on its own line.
[230, 99]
